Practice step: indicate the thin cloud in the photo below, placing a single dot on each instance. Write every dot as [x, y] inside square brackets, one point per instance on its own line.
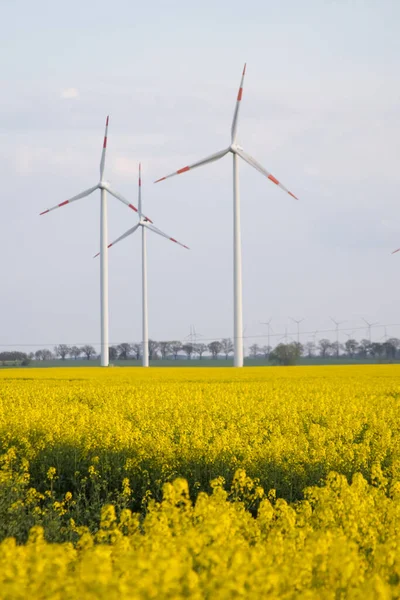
[69, 94]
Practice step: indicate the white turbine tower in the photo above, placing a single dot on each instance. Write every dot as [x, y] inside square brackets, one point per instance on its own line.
[104, 187]
[369, 325]
[144, 223]
[236, 151]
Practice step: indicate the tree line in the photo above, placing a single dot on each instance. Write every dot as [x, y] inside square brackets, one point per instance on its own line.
[283, 353]
[325, 348]
[127, 351]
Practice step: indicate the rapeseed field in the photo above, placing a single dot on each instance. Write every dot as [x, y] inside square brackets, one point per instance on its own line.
[200, 483]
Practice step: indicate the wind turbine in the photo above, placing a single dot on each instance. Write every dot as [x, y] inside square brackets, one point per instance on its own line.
[268, 324]
[236, 152]
[144, 223]
[297, 321]
[104, 187]
[369, 325]
[337, 323]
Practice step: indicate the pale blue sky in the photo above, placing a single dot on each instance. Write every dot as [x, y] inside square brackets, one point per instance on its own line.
[321, 110]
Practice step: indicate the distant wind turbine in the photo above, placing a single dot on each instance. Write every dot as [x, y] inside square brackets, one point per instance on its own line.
[297, 321]
[369, 325]
[337, 323]
[236, 151]
[104, 187]
[268, 324]
[144, 223]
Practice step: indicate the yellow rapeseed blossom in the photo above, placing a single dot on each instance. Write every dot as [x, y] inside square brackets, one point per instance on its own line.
[200, 483]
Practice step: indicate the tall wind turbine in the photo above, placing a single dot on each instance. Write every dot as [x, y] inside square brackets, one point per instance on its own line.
[144, 223]
[236, 151]
[104, 187]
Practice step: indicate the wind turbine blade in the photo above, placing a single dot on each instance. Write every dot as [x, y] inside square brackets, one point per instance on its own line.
[103, 154]
[165, 235]
[394, 251]
[252, 161]
[204, 161]
[123, 236]
[237, 107]
[124, 200]
[77, 197]
[140, 190]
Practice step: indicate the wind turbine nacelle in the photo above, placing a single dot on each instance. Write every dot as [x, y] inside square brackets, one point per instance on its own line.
[103, 185]
[234, 147]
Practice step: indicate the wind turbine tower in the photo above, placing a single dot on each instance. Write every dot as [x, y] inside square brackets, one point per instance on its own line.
[369, 326]
[337, 324]
[297, 321]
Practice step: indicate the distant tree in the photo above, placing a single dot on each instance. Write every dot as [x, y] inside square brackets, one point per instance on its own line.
[200, 349]
[254, 350]
[324, 346]
[123, 350]
[391, 347]
[88, 351]
[176, 347]
[310, 349]
[153, 347]
[286, 354]
[13, 356]
[47, 354]
[351, 347]
[26, 361]
[137, 351]
[335, 349]
[364, 348]
[62, 350]
[215, 348]
[265, 350]
[165, 349]
[75, 352]
[226, 347]
[300, 348]
[39, 355]
[188, 350]
[377, 350]
[113, 353]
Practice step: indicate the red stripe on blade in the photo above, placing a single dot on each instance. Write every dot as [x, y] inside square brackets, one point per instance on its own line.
[44, 212]
[132, 207]
[173, 240]
[183, 170]
[107, 121]
[272, 178]
[162, 179]
[109, 245]
[149, 220]
[240, 94]
[63, 203]
[140, 182]
[105, 143]
[293, 196]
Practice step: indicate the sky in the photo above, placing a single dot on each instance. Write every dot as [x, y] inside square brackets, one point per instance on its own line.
[320, 110]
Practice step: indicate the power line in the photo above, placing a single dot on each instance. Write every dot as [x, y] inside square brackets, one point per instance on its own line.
[281, 334]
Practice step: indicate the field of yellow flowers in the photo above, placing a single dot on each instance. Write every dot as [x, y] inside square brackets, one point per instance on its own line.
[217, 483]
